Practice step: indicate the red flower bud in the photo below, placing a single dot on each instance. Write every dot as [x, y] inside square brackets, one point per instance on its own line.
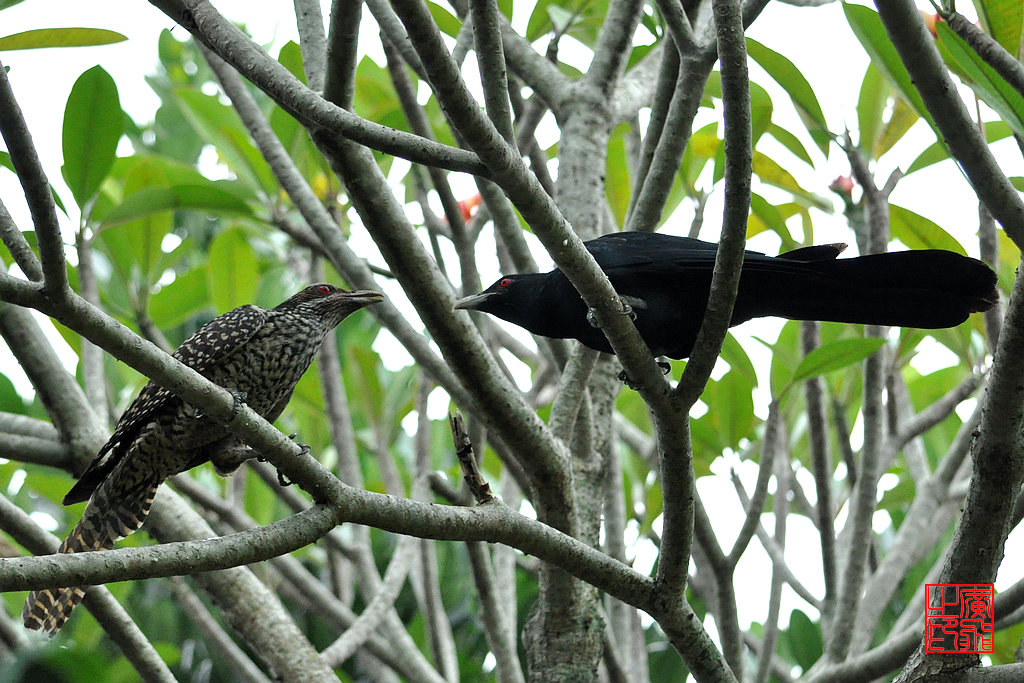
[842, 185]
[468, 207]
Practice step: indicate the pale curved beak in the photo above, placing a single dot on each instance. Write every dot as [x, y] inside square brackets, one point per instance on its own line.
[364, 296]
[471, 302]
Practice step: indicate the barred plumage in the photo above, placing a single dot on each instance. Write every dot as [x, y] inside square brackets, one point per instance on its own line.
[257, 354]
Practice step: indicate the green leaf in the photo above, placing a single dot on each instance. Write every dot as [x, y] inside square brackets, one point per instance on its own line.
[219, 125]
[878, 133]
[760, 110]
[93, 123]
[703, 146]
[234, 270]
[10, 399]
[60, 37]
[918, 232]
[872, 36]
[786, 74]
[936, 152]
[805, 641]
[737, 358]
[5, 161]
[581, 19]
[986, 83]
[175, 172]
[290, 58]
[732, 417]
[871, 104]
[617, 183]
[790, 142]
[540, 21]
[135, 246]
[835, 355]
[175, 303]
[364, 365]
[769, 171]
[896, 126]
[375, 99]
[765, 216]
[152, 200]
[445, 20]
[1004, 21]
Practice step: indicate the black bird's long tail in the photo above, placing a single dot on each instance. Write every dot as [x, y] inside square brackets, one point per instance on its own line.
[928, 289]
[104, 521]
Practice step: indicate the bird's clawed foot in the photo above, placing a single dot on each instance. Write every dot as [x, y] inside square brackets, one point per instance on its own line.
[626, 310]
[665, 366]
[239, 399]
[624, 378]
[281, 479]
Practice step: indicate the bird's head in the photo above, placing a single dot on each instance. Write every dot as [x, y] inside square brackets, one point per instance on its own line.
[329, 303]
[504, 299]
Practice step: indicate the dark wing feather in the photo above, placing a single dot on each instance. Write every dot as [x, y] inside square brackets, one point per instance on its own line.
[202, 351]
[652, 253]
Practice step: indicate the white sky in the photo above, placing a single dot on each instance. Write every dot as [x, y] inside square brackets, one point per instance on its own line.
[817, 40]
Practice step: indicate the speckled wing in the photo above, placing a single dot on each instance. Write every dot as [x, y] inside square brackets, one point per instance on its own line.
[210, 344]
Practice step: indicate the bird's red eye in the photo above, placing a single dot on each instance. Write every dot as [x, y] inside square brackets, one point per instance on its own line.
[505, 282]
[324, 289]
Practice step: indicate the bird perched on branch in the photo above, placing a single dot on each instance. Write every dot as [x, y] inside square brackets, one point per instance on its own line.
[665, 281]
[258, 355]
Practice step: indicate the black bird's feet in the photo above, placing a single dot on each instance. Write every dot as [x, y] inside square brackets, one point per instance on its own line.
[624, 378]
[665, 366]
[626, 310]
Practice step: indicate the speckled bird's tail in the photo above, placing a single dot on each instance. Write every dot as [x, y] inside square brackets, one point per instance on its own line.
[106, 518]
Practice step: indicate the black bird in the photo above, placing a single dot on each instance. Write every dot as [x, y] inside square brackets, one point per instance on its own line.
[665, 280]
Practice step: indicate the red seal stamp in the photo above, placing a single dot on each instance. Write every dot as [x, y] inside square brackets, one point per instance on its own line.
[959, 617]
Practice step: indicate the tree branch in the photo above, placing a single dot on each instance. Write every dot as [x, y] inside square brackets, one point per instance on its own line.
[339, 50]
[249, 606]
[376, 608]
[111, 616]
[214, 637]
[613, 44]
[36, 187]
[917, 50]
[986, 47]
[336, 249]
[771, 443]
[821, 465]
[18, 246]
[732, 54]
[313, 42]
[222, 37]
[491, 59]
[56, 388]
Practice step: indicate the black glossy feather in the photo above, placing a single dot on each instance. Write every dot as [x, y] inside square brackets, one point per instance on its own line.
[666, 280]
